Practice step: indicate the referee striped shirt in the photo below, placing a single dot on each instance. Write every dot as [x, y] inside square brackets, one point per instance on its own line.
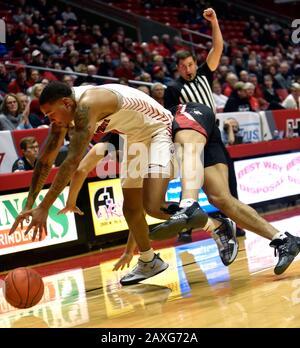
[197, 91]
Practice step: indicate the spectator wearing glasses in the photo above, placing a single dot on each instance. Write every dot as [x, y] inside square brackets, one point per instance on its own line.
[30, 149]
[11, 116]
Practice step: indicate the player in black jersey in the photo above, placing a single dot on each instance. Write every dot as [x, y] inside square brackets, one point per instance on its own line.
[196, 122]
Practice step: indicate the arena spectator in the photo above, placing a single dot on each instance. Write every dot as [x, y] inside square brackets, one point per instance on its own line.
[250, 88]
[238, 100]
[30, 149]
[231, 132]
[91, 70]
[220, 99]
[244, 76]
[69, 16]
[159, 75]
[144, 89]
[35, 104]
[68, 80]
[283, 77]
[5, 79]
[292, 101]
[157, 92]
[19, 84]
[125, 69]
[11, 116]
[25, 109]
[34, 77]
[270, 93]
[231, 80]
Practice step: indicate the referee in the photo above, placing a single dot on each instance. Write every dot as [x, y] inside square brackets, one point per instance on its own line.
[194, 85]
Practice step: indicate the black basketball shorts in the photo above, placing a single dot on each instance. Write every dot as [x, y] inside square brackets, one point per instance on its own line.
[202, 119]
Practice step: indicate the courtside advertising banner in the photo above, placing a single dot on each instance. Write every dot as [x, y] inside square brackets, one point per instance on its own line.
[63, 304]
[280, 120]
[269, 177]
[8, 154]
[61, 228]
[106, 199]
[249, 124]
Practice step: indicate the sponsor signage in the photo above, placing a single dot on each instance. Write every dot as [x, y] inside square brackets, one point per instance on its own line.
[61, 228]
[8, 154]
[269, 177]
[249, 124]
[106, 199]
[282, 121]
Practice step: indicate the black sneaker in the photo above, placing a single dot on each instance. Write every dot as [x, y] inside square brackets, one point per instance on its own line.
[287, 249]
[185, 237]
[171, 209]
[227, 243]
[185, 219]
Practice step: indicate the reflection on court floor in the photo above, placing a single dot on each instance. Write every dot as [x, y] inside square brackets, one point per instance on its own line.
[197, 290]
[64, 303]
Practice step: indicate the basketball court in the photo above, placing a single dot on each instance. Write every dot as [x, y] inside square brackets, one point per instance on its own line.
[196, 291]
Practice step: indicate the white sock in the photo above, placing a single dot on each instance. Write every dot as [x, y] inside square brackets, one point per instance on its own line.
[279, 235]
[184, 203]
[146, 256]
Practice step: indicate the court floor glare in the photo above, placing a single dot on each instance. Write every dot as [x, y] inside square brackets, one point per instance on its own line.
[196, 291]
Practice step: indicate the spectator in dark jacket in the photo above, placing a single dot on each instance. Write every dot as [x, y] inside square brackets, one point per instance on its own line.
[238, 101]
[30, 149]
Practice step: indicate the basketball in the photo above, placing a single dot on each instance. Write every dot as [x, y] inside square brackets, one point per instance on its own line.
[23, 287]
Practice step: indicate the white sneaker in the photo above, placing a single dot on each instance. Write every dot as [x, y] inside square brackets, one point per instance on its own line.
[144, 270]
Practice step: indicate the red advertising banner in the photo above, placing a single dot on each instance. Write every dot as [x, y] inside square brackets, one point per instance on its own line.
[284, 118]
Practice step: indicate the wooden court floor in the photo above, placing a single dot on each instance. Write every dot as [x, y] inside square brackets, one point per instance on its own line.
[196, 291]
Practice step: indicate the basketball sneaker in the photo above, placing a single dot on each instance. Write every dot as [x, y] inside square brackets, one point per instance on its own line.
[184, 219]
[144, 270]
[287, 249]
[227, 243]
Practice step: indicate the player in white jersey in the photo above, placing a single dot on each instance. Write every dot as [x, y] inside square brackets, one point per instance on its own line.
[106, 108]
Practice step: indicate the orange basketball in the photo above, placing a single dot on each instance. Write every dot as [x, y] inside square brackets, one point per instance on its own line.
[23, 287]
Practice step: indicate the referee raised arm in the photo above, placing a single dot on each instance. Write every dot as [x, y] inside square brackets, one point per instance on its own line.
[194, 83]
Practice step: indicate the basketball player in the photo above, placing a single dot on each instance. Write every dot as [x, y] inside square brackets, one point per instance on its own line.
[196, 123]
[107, 108]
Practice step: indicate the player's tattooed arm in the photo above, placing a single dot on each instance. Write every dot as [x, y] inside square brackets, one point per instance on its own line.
[45, 162]
[84, 129]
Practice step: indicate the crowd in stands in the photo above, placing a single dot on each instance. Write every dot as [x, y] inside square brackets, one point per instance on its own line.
[51, 36]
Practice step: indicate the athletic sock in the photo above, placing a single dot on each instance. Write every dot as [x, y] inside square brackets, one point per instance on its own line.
[185, 203]
[147, 256]
[279, 235]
